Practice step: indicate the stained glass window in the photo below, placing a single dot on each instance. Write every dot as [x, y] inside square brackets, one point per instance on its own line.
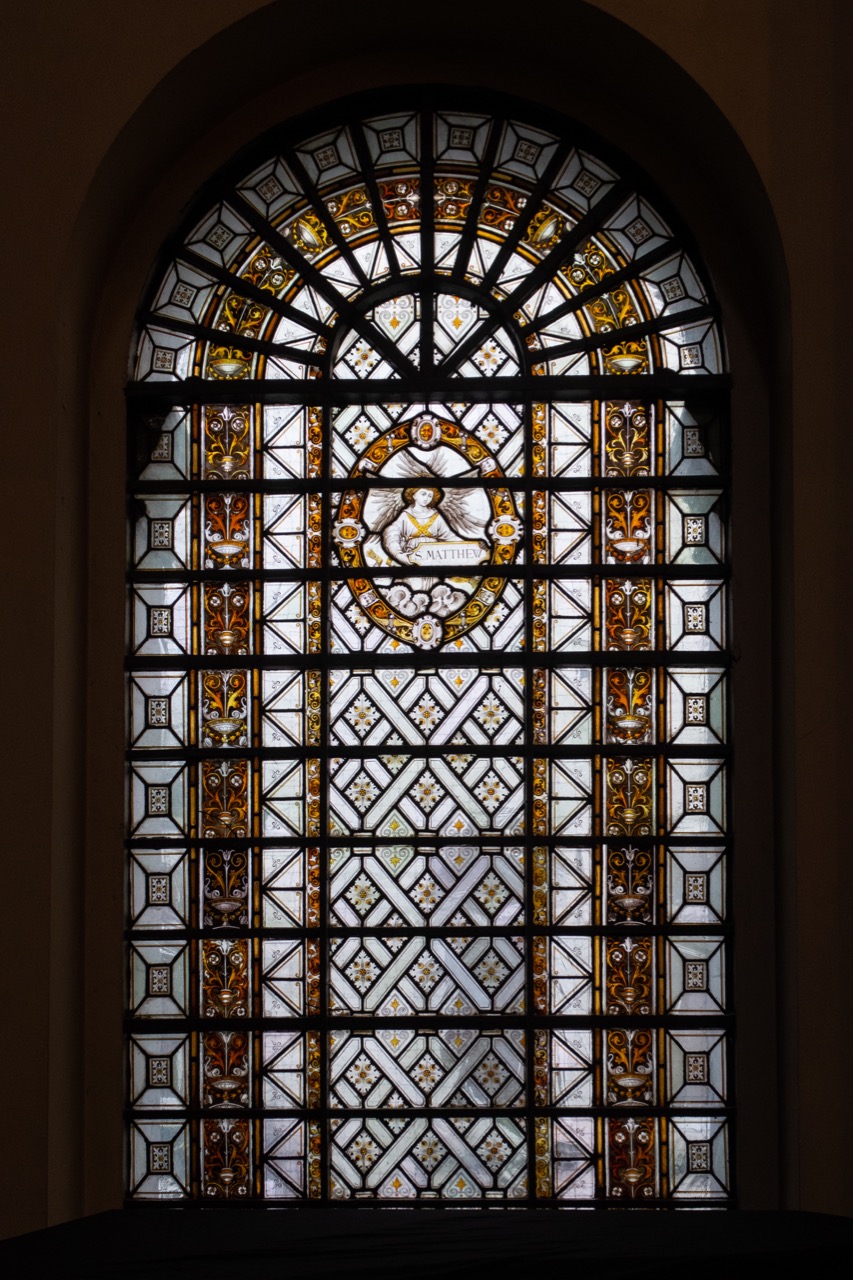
[427, 677]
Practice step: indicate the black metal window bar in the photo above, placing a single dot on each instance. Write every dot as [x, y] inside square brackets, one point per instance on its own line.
[427, 696]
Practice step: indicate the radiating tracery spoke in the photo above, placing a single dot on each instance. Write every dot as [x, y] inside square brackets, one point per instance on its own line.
[427, 679]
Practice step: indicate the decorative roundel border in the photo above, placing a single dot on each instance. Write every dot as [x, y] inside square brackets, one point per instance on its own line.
[426, 432]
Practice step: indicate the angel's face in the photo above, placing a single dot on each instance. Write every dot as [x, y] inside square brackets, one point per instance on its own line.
[424, 497]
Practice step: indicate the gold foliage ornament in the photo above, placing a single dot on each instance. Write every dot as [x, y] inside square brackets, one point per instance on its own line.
[224, 799]
[546, 228]
[630, 1067]
[629, 796]
[352, 212]
[309, 234]
[225, 977]
[227, 442]
[627, 445]
[632, 1158]
[629, 976]
[629, 704]
[227, 1159]
[628, 613]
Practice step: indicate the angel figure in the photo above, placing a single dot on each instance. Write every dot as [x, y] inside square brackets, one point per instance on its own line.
[420, 521]
[403, 521]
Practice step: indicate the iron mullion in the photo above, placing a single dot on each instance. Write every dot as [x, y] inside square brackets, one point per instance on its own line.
[563, 388]
[469, 229]
[361, 1023]
[531, 833]
[425, 662]
[317, 204]
[541, 273]
[548, 267]
[568, 573]
[179, 843]
[372, 184]
[210, 334]
[607, 338]
[427, 237]
[242, 287]
[324, 870]
[626, 274]
[534, 197]
[350, 314]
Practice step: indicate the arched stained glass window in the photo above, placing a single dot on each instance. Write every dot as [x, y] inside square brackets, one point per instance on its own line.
[427, 677]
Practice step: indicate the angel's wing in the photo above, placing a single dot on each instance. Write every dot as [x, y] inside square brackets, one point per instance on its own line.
[382, 506]
[466, 510]
[408, 467]
[386, 504]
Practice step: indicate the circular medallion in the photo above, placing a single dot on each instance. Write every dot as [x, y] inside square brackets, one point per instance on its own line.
[427, 522]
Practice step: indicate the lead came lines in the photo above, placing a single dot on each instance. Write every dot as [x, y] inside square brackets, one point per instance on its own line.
[439, 721]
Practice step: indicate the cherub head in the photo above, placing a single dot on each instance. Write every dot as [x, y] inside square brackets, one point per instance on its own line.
[422, 496]
[425, 431]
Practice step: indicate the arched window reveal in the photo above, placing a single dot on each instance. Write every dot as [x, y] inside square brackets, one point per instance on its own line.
[427, 703]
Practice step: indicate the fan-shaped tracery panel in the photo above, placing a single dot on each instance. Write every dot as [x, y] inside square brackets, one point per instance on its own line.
[427, 801]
